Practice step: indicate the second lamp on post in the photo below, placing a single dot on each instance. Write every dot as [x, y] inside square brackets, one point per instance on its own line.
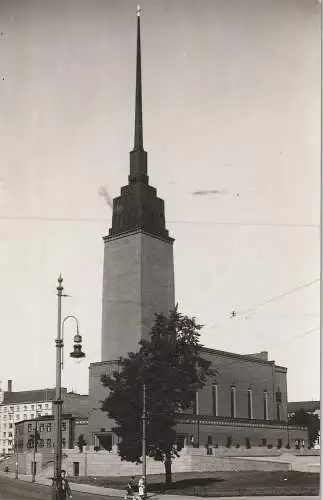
[77, 353]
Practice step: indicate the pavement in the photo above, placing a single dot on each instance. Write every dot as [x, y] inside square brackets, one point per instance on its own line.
[87, 491]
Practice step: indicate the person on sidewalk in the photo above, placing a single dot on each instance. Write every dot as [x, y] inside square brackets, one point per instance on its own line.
[65, 486]
[142, 488]
[131, 488]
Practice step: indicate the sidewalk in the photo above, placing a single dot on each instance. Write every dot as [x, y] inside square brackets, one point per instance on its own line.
[110, 492]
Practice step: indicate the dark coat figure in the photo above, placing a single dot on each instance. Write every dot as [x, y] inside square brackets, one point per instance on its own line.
[131, 487]
[65, 486]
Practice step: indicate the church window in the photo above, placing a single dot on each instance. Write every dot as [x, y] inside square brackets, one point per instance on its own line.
[265, 405]
[250, 412]
[233, 401]
[215, 400]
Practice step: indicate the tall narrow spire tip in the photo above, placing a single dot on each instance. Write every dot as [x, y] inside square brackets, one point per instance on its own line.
[138, 10]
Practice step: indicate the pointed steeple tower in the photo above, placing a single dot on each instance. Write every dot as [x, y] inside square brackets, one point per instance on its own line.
[138, 156]
[138, 206]
[138, 266]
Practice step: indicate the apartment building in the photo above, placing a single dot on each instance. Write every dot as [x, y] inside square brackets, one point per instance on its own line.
[27, 405]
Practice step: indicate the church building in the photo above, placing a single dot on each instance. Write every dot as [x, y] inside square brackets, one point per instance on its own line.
[245, 404]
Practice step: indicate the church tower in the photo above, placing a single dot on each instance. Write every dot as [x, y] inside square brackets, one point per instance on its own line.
[138, 270]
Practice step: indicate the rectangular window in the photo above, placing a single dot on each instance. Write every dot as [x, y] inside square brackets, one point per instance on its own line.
[10, 426]
[233, 401]
[197, 406]
[265, 405]
[64, 426]
[49, 427]
[41, 427]
[29, 427]
[250, 412]
[49, 443]
[17, 408]
[46, 406]
[215, 400]
[278, 413]
[63, 443]
[25, 416]
[32, 407]
[25, 407]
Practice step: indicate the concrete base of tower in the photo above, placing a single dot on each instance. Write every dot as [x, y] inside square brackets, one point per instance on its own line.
[138, 282]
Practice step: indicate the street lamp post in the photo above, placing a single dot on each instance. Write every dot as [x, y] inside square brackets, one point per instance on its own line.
[77, 353]
[17, 456]
[33, 473]
[144, 437]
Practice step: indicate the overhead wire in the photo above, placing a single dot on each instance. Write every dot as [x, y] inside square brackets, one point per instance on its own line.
[192, 222]
[264, 303]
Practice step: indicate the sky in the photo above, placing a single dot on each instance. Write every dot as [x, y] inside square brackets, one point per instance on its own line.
[231, 112]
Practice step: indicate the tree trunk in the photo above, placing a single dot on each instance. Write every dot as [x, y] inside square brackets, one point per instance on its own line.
[168, 468]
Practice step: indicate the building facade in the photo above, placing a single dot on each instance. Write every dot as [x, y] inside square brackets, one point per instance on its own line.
[72, 428]
[27, 405]
[248, 392]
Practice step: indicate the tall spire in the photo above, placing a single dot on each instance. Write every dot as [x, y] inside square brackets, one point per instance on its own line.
[138, 206]
[138, 157]
[138, 112]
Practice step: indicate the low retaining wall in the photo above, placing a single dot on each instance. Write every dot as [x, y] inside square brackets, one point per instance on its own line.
[108, 464]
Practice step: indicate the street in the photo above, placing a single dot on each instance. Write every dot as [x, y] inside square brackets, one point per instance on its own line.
[11, 489]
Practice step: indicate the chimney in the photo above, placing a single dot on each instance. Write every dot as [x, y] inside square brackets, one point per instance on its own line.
[9, 385]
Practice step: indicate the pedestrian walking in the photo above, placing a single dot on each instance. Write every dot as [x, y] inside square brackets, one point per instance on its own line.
[131, 488]
[65, 486]
[142, 488]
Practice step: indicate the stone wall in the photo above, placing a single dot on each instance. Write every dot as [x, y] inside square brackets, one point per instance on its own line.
[103, 463]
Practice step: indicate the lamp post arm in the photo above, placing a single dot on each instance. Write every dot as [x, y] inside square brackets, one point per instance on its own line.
[70, 316]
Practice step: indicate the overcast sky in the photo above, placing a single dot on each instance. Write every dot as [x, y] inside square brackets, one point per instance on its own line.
[231, 93]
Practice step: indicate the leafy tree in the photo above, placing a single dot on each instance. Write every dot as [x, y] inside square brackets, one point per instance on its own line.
[81, 442]
[309, 420]
[170, 366]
